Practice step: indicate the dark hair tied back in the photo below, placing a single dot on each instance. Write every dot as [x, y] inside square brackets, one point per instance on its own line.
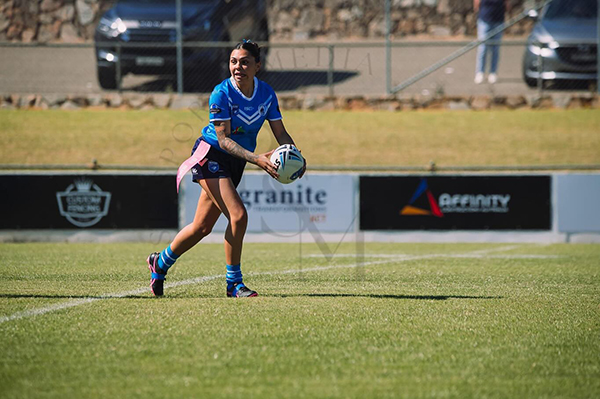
[251, 47]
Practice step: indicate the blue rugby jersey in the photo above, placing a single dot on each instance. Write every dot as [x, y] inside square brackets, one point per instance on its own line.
[247, 115]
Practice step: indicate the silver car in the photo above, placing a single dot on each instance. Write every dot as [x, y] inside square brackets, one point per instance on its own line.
[562, 45]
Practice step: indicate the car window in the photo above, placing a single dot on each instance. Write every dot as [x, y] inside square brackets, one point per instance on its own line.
[580, 9]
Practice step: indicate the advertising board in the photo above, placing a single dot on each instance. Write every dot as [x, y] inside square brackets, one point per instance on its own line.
[323, 202]
[455, 203]
[81, 201]
[578, 199]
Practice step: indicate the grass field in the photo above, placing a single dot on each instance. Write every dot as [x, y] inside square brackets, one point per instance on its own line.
[412, 321]
[165, 138]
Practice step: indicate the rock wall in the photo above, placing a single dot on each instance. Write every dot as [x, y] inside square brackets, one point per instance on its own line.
[391, 103]
[68, 21]
[355, 19]
[74, 21]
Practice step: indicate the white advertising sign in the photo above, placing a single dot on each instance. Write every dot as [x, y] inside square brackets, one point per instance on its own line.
[578, 199]
[321, 202]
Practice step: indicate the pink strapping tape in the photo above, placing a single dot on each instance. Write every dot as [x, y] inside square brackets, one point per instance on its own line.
[197, 157]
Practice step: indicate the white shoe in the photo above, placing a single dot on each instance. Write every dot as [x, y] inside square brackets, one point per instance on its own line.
[492, 78]
[478, 78]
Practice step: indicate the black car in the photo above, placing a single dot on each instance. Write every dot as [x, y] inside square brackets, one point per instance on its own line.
[562, 45]
[147, 31]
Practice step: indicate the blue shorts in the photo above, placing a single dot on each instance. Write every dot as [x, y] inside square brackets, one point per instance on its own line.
[218, 165]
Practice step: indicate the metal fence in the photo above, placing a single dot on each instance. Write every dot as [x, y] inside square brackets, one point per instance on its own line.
[153, 55]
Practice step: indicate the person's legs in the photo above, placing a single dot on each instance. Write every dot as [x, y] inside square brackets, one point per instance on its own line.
[482, 29]
[207, 214]
[224, 195]
[159, 264]
[495, 49]
[226, 198]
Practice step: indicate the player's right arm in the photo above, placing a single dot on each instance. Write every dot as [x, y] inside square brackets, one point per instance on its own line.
[223, 131]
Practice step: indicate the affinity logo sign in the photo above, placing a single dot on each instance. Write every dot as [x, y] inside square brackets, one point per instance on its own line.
[447, 202]
[411, 210]
[83, 203]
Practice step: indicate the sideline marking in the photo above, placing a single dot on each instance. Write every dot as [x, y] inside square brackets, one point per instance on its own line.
[198, 280]
[473, 256]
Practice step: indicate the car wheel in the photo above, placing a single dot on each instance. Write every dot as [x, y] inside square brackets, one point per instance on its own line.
[531, 82]
[107, 77]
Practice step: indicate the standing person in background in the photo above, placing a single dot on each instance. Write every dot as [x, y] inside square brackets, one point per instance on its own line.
[490, 15]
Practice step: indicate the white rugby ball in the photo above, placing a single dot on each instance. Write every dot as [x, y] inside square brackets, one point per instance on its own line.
[289, 163]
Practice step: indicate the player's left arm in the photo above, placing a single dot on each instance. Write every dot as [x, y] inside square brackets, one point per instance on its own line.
[283, 137]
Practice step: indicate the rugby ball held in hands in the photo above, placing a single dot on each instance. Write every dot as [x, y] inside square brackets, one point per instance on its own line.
[289, 163]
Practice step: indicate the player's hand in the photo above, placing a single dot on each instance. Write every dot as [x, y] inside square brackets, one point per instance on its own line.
[264, 162]
[303, 169]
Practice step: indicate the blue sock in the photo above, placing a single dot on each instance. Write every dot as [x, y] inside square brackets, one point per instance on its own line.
[234, 275]
[166, 259]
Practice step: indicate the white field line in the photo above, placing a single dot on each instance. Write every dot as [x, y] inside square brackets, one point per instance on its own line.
[402, 256]
[198, 280]
[472, 253]
[516, 256]
[499, 249]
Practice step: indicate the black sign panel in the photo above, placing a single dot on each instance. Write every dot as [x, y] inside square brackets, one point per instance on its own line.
[455, 203]
[81, 201]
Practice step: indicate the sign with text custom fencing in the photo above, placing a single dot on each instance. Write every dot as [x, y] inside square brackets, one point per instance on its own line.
[95, 200]
[455, 203]
[317, 203]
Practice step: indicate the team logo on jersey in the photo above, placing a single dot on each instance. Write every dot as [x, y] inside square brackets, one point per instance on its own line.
[249, 119]
[239, 130]
[235, 108]
[411, 210]
[214, 109]
[83, 203]
[213, 166]
[262, 110]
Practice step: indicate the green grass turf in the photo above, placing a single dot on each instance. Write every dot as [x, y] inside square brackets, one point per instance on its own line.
[492, 324]
[165, 138]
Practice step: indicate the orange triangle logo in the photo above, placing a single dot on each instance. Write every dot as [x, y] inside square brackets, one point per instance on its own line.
[411, 210]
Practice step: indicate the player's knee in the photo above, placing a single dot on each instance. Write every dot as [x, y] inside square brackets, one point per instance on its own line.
[239, 217]
[202, 230]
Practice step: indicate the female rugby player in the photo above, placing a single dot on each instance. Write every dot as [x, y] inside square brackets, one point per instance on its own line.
[238, 107]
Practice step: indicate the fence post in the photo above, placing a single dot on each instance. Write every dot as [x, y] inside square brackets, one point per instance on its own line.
[330, 70]
[179, 49]
[540, 81]
[118, 75]
[388, 48]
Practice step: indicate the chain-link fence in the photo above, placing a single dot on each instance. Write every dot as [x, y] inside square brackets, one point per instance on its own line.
[183, 46]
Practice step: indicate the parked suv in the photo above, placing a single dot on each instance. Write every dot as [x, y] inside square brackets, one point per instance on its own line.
[564, 38]
[136, 23]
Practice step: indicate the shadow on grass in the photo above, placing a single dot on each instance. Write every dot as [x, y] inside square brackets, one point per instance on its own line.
[281, 80]
[390, 296]
[46, 296]
[376, 296]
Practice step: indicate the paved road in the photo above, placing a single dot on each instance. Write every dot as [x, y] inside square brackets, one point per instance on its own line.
[357, 71]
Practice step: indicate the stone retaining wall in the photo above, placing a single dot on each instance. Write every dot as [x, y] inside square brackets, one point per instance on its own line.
[301, 102]
[74, 21]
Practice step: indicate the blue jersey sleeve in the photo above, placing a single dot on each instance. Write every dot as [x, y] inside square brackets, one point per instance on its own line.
[218, 106]
[273, 113]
